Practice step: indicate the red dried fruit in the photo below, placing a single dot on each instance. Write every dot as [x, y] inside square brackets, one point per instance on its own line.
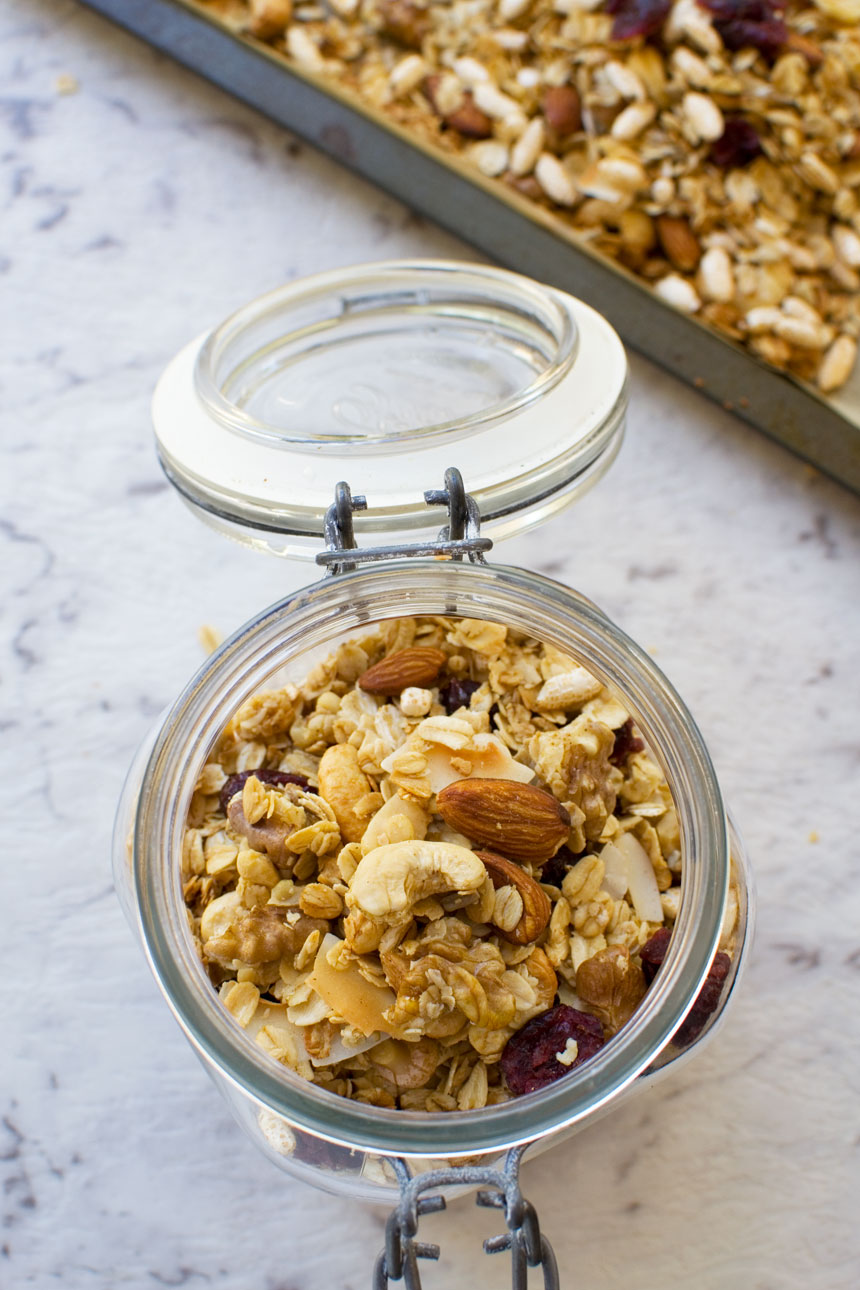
[529, 1061]
[637, 17]
[557, 866]
[749, 22]
[626, 744]
[457, 694]
[706, 1003]
[738, 145]
[652, 955]
[236, 783]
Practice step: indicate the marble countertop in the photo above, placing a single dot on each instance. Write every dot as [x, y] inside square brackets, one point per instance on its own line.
[139, 209]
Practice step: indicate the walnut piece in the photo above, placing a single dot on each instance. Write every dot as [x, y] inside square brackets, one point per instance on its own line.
[574, 762]
[613, 986]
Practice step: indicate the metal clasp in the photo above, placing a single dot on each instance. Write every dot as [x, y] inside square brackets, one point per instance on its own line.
[528, 1246]
[460, 537]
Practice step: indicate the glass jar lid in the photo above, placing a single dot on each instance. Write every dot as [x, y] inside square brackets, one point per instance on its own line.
[384, 374]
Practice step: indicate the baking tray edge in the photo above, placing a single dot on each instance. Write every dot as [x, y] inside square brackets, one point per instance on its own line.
[500, 226]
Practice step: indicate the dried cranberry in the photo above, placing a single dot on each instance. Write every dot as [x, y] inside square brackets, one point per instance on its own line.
[529, 1059]
[749, 22]
[738, 145]
[637, 17]
[236, 783]
[706, 1003]
[557, 866]
[325, 1155]
[626, 744]
[652, 955]
[457, 694]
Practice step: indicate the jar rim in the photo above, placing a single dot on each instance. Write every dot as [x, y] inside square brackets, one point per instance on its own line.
[316, 615]
[530, 448]
[390, 292]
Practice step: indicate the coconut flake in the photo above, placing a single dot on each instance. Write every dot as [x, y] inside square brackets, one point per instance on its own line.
[615, 867]
[487, 757]
[641, 882]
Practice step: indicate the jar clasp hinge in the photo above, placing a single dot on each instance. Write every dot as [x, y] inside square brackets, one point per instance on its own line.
[529, 1248]
[460, 537]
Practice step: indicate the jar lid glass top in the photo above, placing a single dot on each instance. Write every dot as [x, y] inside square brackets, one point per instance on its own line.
[384, 375]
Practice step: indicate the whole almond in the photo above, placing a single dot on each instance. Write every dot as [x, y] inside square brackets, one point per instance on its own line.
[523, 821]
[419, 665]
[470, 120]
[680, 244]
[467, 117]
[536, 906]
[562, 109]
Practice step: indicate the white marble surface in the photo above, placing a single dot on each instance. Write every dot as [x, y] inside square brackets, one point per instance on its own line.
[138, 211]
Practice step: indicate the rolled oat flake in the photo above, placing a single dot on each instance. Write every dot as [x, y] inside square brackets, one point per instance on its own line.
[391, 421]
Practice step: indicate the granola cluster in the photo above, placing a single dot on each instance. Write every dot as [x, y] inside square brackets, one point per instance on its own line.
[710, 146]
[439, 873]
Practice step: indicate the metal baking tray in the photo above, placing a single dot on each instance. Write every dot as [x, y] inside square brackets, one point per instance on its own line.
[504, 225]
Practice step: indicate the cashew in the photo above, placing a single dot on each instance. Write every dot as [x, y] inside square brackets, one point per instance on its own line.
[401, 819]
[343, 784]
[393, 878]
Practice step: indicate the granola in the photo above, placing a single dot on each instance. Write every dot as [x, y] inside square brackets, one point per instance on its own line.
[388, 883]
[712, 147]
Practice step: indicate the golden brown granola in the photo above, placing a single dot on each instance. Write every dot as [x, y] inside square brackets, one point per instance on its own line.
[717, 155]
[387, 888]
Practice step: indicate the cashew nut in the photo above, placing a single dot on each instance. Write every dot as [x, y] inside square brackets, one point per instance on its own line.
[343, 784]
[393, 878]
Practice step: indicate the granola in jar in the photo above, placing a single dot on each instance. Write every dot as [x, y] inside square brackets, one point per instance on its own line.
[712, 147]
[440, 872]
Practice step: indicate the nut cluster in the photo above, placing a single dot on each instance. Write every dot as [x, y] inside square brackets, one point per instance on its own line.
[710, 146]
[434, 875]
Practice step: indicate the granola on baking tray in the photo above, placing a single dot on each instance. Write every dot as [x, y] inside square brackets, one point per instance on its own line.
[440, 872]
[710, 146]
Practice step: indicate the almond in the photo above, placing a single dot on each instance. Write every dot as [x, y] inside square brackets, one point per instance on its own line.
[679, 243]
[523, 821]
[418, 665]
[459, 110]
[470, 120]
[562, 109]
[536, 906]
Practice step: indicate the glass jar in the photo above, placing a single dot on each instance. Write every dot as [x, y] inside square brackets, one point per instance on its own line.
[333, 1142]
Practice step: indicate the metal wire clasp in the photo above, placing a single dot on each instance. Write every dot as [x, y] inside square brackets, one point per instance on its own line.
[460, 536]
[528, 1247]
